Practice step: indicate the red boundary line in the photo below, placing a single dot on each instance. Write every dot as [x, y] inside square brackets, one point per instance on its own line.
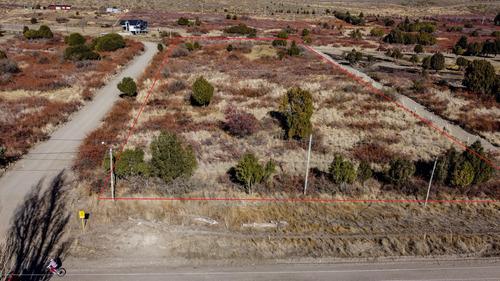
[295, 200]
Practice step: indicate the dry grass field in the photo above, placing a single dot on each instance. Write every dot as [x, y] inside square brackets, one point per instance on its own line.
[47, 89]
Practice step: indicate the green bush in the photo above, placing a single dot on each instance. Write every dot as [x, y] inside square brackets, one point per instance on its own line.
[463, 175]
[462, 42]
[356, 34]
[241, 29]
[131, 163]
[160, 47]
[43, 32]
[341, 171]
[307, 39]
[293, 50]
[229, 48]
[80, 52]
[475, 33]
[468, 25]
[249, 171]
[414, 59]
[475, 48]
[3, 55]
[480, 77]
[75, 39]
[437, 61]
[127, 86]
[396, 53]
[305, 32]
[354, 56]
[189, 46]
[483, 171]
[33, 21]
[182, 21]
[497, 19]
[108, 42]
[170, 159]
[282, 43]
[377, 32]
[426, 63]
[424, 38]
[364, 171]
[461, 61]
[203, 91]
[401, 171]
[297, 108]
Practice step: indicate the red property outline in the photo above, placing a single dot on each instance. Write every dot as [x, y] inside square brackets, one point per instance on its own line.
[302, 200]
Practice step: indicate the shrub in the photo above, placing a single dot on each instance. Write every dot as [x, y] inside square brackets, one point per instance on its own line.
[8, 66]
[356, 34]
[160, 47]
[490, 48]
[197, 22]
[414, 59]
[480, 77]
[182, 21]
[279, 42]
[461, 61]
[179, 52]
[75, 39]
[239, 123]
[108, 42]
[80, 52]
[468, 25]
[354, 56]
[228, 16]
[235, 17]
[249, 171]
[377, 32]
[475, 33]
[482, 170]
[394, 36]
[170, 159]
[176, 86]
[189, 46]
[43, 32]
[462, 42]
[474, 48]
[437, 61]
[197, 45]
[229, 48]
[497, 19]
[457, 50]
[293, 50]
[401, 171]
[425, 38]
[305, 32]
[364, 171]
[297, 107]
[418, 49]
[496, 33]
[33, 21]
[241, 29]
[131, 163]
[3, 55]
[463, 175]
[341, 171]
[127, 86]
[396, 54]
[307, 39]
[426, 63]
[202, 91]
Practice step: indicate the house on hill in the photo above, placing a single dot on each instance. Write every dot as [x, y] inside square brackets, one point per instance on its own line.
[135, 26]
[59, 7]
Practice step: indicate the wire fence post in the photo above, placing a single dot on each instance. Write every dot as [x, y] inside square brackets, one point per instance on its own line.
[307, 165]
[430, 181]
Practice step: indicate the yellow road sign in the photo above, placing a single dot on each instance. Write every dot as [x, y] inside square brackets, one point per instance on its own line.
[82, 214]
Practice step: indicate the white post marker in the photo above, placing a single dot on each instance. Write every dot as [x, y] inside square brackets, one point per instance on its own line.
[307, 165]
[111, 169]
[430, 181]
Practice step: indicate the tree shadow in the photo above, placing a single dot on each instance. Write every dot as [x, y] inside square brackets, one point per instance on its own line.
[37, 232]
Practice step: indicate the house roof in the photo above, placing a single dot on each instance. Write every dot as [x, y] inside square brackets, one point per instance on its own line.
[134, 22]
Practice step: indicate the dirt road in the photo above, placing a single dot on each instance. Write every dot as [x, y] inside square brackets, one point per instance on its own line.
[450, 129]
[49, 158]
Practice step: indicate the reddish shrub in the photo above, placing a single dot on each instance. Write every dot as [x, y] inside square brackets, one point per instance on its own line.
[373, 152]
[240, 123]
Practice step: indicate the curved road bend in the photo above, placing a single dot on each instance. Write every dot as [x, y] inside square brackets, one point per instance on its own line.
[451, 129]
[47, 159]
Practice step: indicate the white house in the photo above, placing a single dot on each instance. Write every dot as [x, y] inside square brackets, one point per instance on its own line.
[135, 26]
[113, 10]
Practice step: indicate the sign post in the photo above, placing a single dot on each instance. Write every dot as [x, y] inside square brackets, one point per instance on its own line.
[82, 216]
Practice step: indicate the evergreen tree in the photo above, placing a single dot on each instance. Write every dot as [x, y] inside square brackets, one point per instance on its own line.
[297, 107]
[480, 76]
[249, 171]
[203, 91]
[170, 159]
[127, 86]
[364, 171]
[463, 175]
[342, 171]
[437, 62]
[401, 171]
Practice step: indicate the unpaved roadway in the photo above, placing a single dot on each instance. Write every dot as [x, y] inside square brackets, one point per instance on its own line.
[47, 159]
